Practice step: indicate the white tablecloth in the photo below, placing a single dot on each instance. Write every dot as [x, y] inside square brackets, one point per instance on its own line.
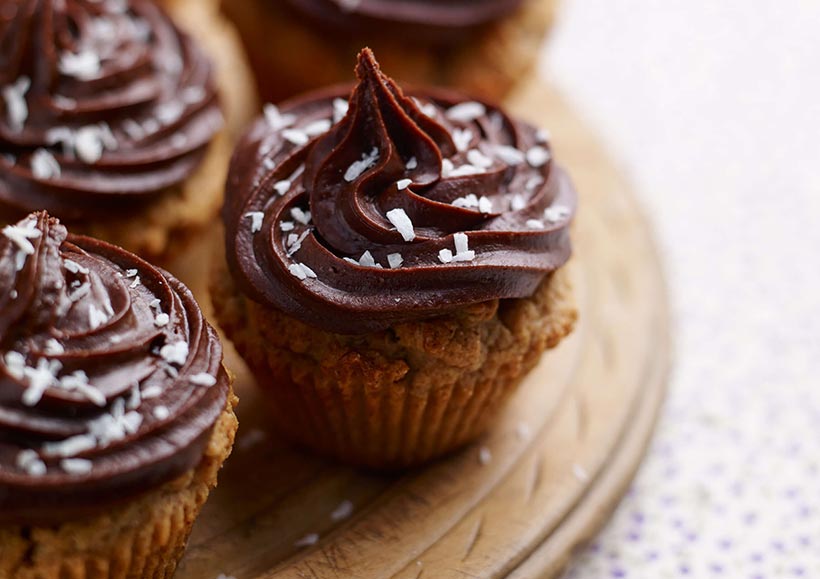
[713, 109]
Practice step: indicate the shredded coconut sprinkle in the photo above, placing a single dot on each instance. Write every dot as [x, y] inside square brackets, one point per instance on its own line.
[340, 108]
[343, 511]
[76, 466]
[358, 167]
[412, 163]
[463, 252]
[445, 256]
[202, 379]
[161, 412]
[301, 271]
[307, 540]
[509, 155]
[479, 159]
[84, 65]
[394, 260]
[44, 165]
[277, 120]
[556, 214]
[29, 461]
[256, 218]
[295, 136]
[403, 184]
[161, 320]
[462, 138]
[286, 226]
[20, 235]
[176, 353]
[281, 187]
[535, 224]
[538, 156]
[317, 127]
[16, 107]
[300, 215]
[398, 217]
[466, 112]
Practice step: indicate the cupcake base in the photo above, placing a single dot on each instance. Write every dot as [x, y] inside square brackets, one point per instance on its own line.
[403, 396]
[290, 56]
[143, 538]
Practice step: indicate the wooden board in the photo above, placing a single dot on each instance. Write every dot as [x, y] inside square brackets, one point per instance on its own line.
[562, 454]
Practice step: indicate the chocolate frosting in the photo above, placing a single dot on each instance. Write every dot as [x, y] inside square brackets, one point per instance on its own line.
[110, 378]
[442, 19]
[407, 207]
[102, 105]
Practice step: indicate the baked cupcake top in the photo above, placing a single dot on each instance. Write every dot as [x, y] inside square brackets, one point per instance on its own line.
[431, 18]
[110, 378]
[101, 105]
[353, 215]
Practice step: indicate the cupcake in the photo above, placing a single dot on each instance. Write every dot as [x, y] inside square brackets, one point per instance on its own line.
[394, 266]
[482, 46]
[115, 410]
[110, 119]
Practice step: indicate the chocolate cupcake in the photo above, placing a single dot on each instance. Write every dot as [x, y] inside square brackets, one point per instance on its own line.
[482, 46]
[110, 120]
[394, 266]
[115, 409]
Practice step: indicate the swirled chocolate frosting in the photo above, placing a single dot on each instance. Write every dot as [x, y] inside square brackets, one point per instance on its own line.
[102, 104]
[110, 378]
[356, 215]
[432, 18]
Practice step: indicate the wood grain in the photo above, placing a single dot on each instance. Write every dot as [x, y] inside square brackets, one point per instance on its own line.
[562, 454]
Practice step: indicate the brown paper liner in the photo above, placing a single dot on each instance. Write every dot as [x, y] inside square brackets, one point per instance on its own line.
[401, 397]
[143, 538]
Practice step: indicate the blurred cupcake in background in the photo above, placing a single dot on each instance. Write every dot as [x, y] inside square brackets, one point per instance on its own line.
[395, 266]
[481, 46]
[111, 119]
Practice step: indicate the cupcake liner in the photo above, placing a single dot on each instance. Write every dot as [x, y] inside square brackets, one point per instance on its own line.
[394, 399]
[145, 537]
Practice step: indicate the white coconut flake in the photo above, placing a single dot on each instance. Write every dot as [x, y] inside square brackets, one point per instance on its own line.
[485, 205]
[466, 112]
[509, 155]
[445, 256]
[84, 65]
[538, 156]
[16, 107]
[161, 320]
[161, 412]
[29, 461]
[71, 446]
[74, 267]
[53, 347]
[20, 235]
[398, 217]
[580, 472]
[286, 226]
[317, 128]
[542, 136]
[366, 260]
[468, 201]
[556, 213]
[394, 260]
[307, 540]
[295, 136]
[78, 381]
[358, 167]
[135, 283]
[535, 224]
[275, 119]
[96, 317]
[133, 129]
[479, 159]
[462, 138]
[463, 171]
[44, 165]
[88, 144]
[463, 251]
[403, 184]
[256, 218]
[176, 353]
[518, 202]
[300, 215]
[343, 511]
[484, 456]
[282, 187]
[412, 163]
[76, 466]
[340, 108]
[301, 271]
[533, 182]
[202, 379]
[151, 392]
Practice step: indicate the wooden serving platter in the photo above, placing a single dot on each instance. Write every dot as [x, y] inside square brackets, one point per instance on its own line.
[520, 501]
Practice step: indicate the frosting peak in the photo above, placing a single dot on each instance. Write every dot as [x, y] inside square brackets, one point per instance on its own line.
[110, 378]
[102, 103]
[355, 215]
